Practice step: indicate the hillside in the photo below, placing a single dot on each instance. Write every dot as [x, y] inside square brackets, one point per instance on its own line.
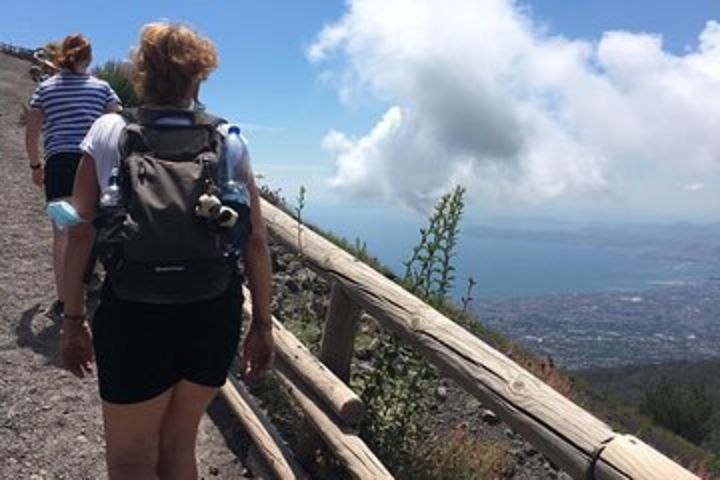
[628, 385]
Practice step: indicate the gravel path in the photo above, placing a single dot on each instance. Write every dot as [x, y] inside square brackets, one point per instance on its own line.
[50, 421]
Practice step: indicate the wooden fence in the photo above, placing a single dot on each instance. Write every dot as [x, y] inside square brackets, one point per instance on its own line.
[572, 438]
[15, 51]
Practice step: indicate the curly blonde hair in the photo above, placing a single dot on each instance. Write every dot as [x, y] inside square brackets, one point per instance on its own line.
[170, 61]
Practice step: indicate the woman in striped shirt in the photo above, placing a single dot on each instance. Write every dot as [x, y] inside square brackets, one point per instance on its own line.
[64, 107]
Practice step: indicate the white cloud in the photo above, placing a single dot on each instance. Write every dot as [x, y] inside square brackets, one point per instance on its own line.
[694, 187]
[479, 94]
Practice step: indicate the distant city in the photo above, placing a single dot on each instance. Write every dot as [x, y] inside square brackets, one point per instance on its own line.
[579, 331]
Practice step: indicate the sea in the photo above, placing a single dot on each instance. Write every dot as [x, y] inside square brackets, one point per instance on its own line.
[588, 295]
[511, 260]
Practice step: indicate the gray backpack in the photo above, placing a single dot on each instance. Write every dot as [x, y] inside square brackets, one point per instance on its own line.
[154, 248]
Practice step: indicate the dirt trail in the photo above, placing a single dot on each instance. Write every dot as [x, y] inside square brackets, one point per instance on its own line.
[50, 421]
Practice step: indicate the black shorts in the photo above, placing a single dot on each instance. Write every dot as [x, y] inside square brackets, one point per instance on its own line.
[60, 171]
[143, 349]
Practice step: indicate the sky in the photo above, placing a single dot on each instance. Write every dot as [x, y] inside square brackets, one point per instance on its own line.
[578, 109]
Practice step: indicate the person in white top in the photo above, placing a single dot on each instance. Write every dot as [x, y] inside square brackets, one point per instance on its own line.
[159, 366]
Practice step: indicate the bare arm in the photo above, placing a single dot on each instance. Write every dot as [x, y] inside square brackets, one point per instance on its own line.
[113, 107]
[81, 237]
[257, 262]
[259, 344]
[35, 120]
[76, 348]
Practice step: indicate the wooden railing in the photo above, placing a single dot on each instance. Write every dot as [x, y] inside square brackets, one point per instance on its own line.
[572, 438]
[41, 67]
[15, 51]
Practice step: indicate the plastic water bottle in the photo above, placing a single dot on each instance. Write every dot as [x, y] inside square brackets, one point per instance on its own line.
[234, 192]
[235, 168]
[111, 197]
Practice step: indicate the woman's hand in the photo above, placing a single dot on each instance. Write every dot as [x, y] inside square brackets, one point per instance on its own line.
[38, 175]
[258, 351]
[259, 344]
[76, 348]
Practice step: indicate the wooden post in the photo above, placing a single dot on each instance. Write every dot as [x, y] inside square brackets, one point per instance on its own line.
[270, 446]
[349, 449]
[337, 395]
[338, 336]
[336, 351]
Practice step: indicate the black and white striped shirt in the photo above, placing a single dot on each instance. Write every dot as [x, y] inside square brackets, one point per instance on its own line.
[71, 103]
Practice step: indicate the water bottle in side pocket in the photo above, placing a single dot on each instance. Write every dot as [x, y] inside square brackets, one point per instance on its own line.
[234, 192]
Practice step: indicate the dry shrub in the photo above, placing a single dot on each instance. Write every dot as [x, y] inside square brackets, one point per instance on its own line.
[459, 455]
[549, 375]
[702, 470]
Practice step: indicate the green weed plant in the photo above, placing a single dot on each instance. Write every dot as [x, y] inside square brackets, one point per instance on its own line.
[117, 74]
[399, 388]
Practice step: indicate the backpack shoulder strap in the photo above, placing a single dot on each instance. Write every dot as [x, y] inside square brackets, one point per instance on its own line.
[143, 129]
[132, 138]
[204, 118]
[146, 116]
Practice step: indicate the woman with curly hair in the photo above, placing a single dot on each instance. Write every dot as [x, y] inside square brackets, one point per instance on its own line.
[64, 107]
[161, 362]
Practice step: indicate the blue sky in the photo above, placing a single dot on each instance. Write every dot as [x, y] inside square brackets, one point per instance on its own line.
[678, 21]
[309, 119]
[263, 78]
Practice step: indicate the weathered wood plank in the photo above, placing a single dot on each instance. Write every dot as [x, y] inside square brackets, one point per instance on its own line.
[338, 338]
[334, 392]
[270, 446]
[349, 449]
[553, 424]
[639, 461]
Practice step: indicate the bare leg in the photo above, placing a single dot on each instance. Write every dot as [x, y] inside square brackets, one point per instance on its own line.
[132, 436]
[60, 241]
[179, 430]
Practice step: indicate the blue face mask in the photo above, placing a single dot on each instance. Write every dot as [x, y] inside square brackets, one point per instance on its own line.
[63, 213]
